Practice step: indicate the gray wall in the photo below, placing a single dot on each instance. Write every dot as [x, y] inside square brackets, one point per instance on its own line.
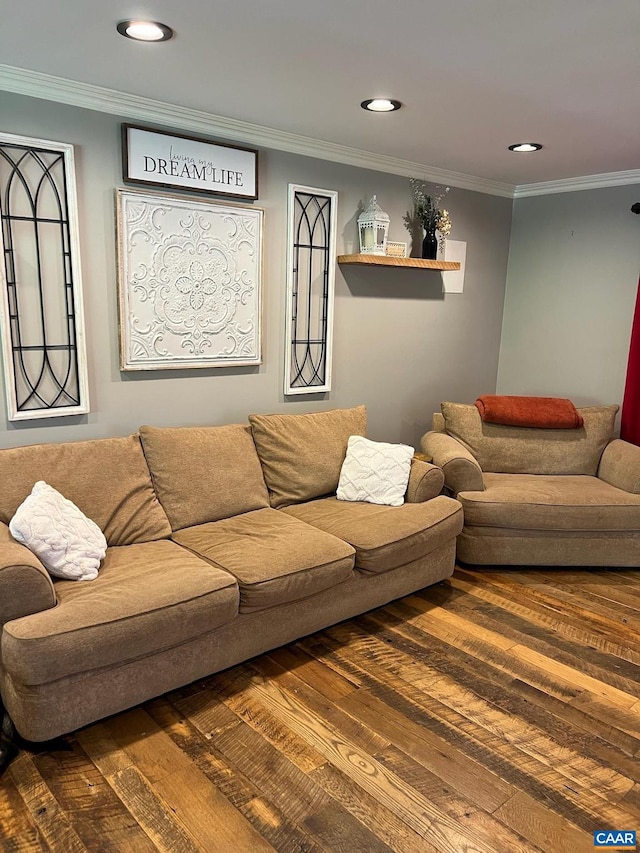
[400, 346]
[571, 290]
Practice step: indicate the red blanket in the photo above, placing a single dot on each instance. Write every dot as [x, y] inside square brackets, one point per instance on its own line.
[542, 412]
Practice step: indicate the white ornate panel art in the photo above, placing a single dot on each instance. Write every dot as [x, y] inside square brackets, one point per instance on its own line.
[190, 282]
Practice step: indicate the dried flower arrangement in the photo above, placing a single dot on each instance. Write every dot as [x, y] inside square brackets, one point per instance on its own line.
[426, 210]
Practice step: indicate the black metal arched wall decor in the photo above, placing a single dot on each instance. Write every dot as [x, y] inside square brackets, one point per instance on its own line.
[311, 260]
[41, 295]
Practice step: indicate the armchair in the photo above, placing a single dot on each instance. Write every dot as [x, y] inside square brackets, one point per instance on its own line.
[532, 496]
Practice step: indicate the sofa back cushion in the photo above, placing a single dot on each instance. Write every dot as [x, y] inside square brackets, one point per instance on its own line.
[523, 450]
[204, 474]
[302, 455]
[107, 479]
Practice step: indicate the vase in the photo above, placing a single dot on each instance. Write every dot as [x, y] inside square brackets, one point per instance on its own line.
[430, 246]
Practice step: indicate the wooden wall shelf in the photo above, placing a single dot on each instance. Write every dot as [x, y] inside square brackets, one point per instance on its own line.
[386, 261]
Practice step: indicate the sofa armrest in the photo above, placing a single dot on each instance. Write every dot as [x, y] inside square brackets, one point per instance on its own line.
[25, 585]
[437, 422]
[461, 471]
[425, 482]
[620, 466]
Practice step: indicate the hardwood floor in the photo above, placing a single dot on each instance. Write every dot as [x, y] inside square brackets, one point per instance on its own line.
[497, 712]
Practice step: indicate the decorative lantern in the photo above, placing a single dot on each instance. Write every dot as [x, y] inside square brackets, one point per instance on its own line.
[373, 226]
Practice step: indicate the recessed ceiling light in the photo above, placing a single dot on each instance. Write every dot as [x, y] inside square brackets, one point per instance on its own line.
[145, 30]
[525, 147]
[380, 105]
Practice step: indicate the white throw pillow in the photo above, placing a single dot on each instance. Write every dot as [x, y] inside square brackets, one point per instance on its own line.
[375, 472]
[68, 544]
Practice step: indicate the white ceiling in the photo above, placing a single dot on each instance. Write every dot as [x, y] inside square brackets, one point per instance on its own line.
[474, 75]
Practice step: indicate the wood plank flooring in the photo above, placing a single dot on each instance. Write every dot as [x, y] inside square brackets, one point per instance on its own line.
[497, 712]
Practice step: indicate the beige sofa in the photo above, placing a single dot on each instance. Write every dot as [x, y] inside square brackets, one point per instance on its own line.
[553, 497]
[224, 542]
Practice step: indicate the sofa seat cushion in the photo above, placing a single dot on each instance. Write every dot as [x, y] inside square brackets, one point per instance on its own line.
[384, 537]
[275, 559]
[540, 502]
[147, 597]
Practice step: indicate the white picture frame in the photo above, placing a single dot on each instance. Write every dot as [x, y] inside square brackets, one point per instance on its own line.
[454, 250]
[310, 292]
[41, 307]
[190, 282]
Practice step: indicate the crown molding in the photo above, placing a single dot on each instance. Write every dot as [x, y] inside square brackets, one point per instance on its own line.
[135, 107]
[38, 85]
[587, 182]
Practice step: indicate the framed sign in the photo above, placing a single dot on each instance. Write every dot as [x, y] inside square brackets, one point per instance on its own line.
[190, 282]
[396, 250]
[165, 159]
